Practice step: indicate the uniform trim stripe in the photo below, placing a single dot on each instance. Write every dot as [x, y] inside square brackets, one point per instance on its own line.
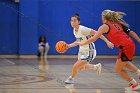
[87, 57]
[90, 45]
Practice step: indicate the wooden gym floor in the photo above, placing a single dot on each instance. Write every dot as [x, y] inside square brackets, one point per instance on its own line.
[48, 76]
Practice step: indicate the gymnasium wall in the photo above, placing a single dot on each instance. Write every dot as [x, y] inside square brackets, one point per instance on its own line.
[52, 19]
[28, 27]
[8, 27]
[57, 20]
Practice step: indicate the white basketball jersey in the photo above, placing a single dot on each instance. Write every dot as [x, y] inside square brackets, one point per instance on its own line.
[82, 35]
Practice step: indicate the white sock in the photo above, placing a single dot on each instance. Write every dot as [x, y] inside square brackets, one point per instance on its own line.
[95, 67]
[71, 78]
[133, 81]
[138, 73]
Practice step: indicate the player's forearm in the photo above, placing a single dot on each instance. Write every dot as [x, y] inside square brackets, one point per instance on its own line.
[93, 39]
[89, 41]
[72, 44]
[93, 32]
[104, 38]
[134, 35]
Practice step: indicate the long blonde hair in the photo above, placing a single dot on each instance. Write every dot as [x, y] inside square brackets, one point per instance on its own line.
[115, 17]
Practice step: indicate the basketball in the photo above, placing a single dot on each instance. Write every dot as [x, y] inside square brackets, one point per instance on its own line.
[61, 46]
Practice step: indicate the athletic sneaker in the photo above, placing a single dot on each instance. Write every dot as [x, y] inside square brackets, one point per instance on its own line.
[69, 81]
[133, 87]
[99, 69]
[69, 86]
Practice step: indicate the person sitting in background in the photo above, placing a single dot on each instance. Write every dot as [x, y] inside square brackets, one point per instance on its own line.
[43, 47]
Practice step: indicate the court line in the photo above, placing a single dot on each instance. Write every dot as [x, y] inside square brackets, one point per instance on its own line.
[9, 61]
[62, 88]
[58, 56]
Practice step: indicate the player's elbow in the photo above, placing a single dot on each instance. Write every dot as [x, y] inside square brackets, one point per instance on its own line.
[93, 32]
[131, 33]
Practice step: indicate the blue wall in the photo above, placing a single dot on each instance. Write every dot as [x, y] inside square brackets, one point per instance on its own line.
[57, 20]
[8, 27]
[28, 29]
[52, 19]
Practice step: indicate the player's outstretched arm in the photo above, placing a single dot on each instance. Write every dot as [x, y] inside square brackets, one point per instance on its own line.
[134, 35]
[97, 35]
[72, 44]
[131, 33]
[109, 44]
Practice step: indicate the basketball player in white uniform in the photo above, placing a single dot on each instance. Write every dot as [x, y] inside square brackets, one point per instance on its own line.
[87, 52]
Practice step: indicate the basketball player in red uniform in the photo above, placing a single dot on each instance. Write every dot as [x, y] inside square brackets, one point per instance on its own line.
[116, 30]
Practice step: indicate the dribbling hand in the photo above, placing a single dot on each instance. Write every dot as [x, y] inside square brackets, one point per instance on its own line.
[110, 45]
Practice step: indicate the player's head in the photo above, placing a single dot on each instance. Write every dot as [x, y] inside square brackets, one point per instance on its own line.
[75, 20]
[113, 16]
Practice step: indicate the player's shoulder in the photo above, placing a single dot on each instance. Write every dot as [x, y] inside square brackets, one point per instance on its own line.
[81, 26]
[84, 27]
[105, 28]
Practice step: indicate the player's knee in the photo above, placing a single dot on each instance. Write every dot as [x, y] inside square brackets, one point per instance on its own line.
[75, 66]
[78, 66]
[82, 68]
[118, 69]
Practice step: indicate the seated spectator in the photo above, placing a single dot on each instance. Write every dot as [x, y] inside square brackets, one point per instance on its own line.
[43, 47]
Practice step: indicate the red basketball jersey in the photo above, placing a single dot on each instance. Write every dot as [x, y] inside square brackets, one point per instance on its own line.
[116, 35]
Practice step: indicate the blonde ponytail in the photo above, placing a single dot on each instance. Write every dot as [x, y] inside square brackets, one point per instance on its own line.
[115, 17]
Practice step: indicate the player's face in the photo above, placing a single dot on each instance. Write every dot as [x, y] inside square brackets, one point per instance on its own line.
[74, 22]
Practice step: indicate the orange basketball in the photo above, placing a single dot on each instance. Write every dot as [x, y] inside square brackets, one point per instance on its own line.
[61, 46]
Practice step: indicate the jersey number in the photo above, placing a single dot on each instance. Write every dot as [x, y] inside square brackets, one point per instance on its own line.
[116, 27]
[79, 39]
